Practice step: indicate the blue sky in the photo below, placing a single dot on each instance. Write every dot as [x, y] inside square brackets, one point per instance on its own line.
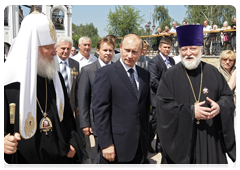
[97, 14]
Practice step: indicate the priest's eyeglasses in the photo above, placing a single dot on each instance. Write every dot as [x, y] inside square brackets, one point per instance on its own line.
[227, 59]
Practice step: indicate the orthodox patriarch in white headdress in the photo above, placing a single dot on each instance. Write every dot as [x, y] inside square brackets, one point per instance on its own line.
[44, 123]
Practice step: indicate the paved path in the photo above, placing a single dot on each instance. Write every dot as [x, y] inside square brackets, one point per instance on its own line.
[153, 158]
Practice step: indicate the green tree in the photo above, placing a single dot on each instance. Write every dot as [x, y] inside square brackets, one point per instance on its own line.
[85, 30]
[124, 20]
[214, 14]
[162, 17]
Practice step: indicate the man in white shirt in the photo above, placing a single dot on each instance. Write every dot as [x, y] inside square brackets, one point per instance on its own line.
[84, 57]
[174, 38]
[206, 39]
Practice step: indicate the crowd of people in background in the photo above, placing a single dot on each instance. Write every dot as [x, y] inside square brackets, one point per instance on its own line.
[226, 40]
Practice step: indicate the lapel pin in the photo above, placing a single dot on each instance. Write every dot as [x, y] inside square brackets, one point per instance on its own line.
[205, 90]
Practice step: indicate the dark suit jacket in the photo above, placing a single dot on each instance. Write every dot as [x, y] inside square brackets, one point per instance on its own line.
[73, 83]
[85, 95]
[157, 68]
[120, 117]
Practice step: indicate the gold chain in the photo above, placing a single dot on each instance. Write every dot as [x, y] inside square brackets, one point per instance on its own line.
[196, 101]
[46, 100]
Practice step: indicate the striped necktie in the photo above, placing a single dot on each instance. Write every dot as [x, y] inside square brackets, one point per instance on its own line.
[168, 63]
[133, 82]
[65, 75]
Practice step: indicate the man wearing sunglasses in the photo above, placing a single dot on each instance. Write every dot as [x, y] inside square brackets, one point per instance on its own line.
[73, 51]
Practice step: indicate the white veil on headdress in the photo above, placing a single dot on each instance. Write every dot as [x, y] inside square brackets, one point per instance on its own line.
[21, 66]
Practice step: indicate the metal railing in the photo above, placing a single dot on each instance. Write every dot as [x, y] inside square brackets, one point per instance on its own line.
[214, 43]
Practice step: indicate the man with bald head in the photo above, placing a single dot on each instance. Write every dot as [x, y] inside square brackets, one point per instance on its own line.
[121, 106]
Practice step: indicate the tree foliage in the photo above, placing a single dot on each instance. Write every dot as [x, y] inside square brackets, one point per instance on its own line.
[124, 20]
[85, 30]
[214, 14]
[162, 17]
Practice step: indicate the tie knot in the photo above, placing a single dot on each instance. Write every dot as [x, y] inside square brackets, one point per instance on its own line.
[63, 62]
[130, 70]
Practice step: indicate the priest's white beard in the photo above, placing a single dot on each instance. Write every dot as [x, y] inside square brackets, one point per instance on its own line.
[45, 68]
[190, 65]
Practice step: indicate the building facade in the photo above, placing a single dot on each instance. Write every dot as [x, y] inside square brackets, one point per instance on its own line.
[61, 15]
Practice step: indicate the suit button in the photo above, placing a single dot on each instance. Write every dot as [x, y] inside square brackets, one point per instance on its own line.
[138, 129]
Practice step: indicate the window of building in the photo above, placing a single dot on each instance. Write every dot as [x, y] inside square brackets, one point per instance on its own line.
[58, 19]
[6, 16]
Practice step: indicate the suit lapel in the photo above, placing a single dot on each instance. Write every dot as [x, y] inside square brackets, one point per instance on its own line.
[71, 76]
[162, 62]
[97, 66]
[140, 79]
[172, 61]
[123, 75]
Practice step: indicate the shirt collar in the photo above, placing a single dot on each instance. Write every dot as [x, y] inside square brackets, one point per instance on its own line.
[163, 57]
[127, 67]
[84, 58]
[60, 60]
[102, 63]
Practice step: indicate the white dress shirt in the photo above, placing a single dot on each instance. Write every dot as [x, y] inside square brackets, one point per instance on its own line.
[207, 28]
[135, 72]
[61, 65]
[174, 30]
[166, 60]
[83, 61]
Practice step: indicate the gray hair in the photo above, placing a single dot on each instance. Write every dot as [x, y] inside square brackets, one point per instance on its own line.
[65, 39]
[225, 23]
[85, 38]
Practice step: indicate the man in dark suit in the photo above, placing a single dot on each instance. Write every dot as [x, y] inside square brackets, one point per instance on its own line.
[105, 49]
[69, 69]
[157, 67]
[120, 104]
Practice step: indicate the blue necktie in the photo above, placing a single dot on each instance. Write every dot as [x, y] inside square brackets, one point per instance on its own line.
[133, 82]
[168, 63]
[65, 75]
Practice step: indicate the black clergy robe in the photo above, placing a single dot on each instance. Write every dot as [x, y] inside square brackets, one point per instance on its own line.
[42, 148]
[182, 140]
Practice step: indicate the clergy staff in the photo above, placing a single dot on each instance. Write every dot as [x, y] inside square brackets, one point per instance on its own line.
[45, 129]
[195, 107]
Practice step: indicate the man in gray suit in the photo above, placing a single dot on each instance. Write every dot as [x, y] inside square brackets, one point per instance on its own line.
[69, 69]
[143, 59]
[105, 50]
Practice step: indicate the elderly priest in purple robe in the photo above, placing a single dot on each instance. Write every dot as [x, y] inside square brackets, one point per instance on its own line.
[195, 107]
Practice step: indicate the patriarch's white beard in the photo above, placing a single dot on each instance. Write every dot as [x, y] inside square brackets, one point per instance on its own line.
[45, 68]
